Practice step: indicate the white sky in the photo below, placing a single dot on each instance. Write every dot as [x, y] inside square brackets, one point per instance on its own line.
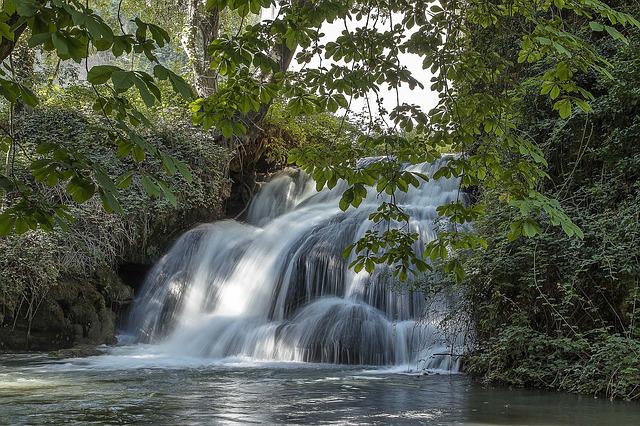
[425, 98]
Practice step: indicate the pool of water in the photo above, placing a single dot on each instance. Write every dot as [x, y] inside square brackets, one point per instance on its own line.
[133, 386]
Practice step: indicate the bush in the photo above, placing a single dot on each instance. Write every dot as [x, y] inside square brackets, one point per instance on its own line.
[282, 132]
[34, 263]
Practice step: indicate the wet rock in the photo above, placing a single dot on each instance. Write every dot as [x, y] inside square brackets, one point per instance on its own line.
[80, 351]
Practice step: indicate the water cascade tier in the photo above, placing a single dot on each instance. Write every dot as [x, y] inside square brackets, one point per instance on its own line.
[277, 287]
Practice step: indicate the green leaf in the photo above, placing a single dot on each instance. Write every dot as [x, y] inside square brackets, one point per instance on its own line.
[26, 8]
[124, 181]
[138, 153]
[61, 45]
[141, 30]
[515, 231]
[104, 180]
[291, 39]
[22, 225]
[168, 164]
[459, 272]
[616, 35]
[6, 32]
[148, 99]
[7, 222]
[159, 35]
[184, 170]
[596, 26]
[583, 105]
[150, 186]
[561, 49]
[100, 74]
[120, 45]
[168, 194]
[160, 72]
[346, 253]
[28, 96]
[530, 228]
[80, 189]
[344, 205]
[123, 80]
[226, 128]
[6, 184]
[110, 202]
[347, 198]
[563, 107]
[124, 148]
[38, 39]
[180, 86]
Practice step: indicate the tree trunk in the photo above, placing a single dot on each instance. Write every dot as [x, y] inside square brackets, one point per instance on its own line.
[201, 29]
[249, 148]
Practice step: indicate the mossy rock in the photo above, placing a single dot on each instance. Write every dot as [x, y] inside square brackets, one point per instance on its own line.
[76, 269]
[75, 311]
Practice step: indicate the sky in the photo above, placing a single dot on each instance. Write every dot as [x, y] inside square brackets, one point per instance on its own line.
[425, 98]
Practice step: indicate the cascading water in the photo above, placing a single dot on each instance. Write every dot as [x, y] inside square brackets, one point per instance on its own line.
[278, 288]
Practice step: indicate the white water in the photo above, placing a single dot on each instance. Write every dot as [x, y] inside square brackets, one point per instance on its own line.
[278, 289]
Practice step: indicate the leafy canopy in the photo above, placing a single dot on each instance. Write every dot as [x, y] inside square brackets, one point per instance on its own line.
[475, 116]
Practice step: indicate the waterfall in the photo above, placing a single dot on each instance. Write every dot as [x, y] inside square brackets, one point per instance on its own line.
[276, 287]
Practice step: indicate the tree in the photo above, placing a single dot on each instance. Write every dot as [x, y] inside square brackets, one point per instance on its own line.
[475, 117]
[240, 122]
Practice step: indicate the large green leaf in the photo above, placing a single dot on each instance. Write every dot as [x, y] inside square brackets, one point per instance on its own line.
[100, 74]
[81, 189]
[123, 80]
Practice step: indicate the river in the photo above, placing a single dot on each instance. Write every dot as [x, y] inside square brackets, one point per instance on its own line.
[135, 385]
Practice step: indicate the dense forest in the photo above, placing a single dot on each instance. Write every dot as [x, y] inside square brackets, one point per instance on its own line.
[126, 123]
[555, 311]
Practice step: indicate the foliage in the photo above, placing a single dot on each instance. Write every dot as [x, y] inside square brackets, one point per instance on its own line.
[555, 311]
[476, 115]
[28, 268]
[73, 31]
[37, 261]
[283, 131]
[598, 364]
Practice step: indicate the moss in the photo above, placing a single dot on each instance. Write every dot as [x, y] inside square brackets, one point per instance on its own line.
[282, 132]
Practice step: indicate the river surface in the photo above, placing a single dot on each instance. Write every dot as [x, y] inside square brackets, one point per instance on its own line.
[130, 385]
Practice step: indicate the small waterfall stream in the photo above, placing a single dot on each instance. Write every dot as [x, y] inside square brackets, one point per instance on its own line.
[277, 287]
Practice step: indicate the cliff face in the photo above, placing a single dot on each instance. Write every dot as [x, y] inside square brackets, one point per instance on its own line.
[77, 308]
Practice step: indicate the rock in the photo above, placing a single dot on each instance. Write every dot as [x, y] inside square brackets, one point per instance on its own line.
[80, 351]
[77, 313]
